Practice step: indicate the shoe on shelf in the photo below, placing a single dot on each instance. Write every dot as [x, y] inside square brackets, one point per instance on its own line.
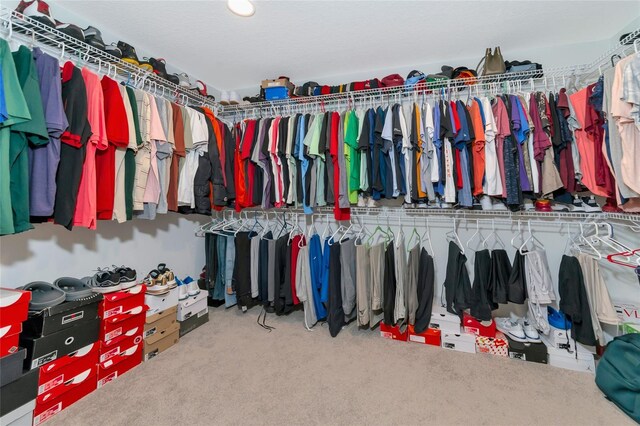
[560, 207]
[93, 36]
[224, 97]
[44, 295]
[234, 98]
[529, 330]
[361, 200]
[421, 205]
[485, 203]
[498, 204]
[158, 67]
[371, 202]
[38, 10]
[183, 291]
[433, 204]
[113, 50]
[145, 64]
[512, 329]
[128, 276]
[528, 205]
[168, 274]
[104, 281]
[183, 80]
[590, 204]
[201, 88]
[192, 286]
[128, 53]
[577, 205]
[476, 204]
[74, 289]
[445, 205]
[71, 30]
[156, 282]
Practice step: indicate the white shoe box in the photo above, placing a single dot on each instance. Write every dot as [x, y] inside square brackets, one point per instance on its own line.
[562, 358]
[161, 303]
[560, 339]
[462, 342]
[21, 416]
[192, 305]
[444, 321]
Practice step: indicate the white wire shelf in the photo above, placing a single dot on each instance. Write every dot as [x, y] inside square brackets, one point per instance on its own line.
[14, 25]
[547, 78]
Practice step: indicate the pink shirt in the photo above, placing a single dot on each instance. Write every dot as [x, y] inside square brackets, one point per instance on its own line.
[152, 190]
[86, 205]
[502, 123]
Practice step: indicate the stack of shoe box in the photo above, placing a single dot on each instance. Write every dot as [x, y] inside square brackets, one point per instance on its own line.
[61, 341]
[193, 310]
[122, 315]
[161, 328]
[18, 389]
[452, 334]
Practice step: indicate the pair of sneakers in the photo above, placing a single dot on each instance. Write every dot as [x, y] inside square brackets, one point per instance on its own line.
[230, 98]
[187, 288]
[490, 203]
[112, 279]
[160, 280]
[364, 201]
[518, 329]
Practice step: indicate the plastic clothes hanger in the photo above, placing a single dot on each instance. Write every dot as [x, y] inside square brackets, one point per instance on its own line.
[584, 240]
[414, 234]
[519, 234]
[531, 238]
[427, 237]
[495, 236]
[612, 258]
[327, 230]
[479, 235]
[453, 236]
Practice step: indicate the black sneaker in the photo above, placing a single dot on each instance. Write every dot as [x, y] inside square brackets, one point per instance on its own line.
[104, 282]
[128, 53]
[38, 10]
[93, 36]
[113, 50]
[173, 78]
[71, 30]
[158, 67]
[476, 204]
[128, 276]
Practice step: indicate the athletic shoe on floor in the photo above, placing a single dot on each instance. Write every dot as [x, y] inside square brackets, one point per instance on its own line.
[128, 53]
[73, 288]
[529, 331]
[128, 276]
[590, 205]
[512, 329]
[104, 282]
[485, 203]
[37, 10]
[44, 295]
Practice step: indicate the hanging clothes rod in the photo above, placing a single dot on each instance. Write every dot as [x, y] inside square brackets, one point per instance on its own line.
[25, 30]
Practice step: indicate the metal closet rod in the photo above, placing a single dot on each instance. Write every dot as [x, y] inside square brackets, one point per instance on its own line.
[585, 70]
[29, 31]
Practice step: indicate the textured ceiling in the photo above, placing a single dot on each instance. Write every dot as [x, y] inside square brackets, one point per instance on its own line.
[313, 39]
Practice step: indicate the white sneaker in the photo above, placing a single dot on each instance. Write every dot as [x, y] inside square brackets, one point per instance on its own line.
[498, 205]
[559, 207]
[422, 205]
[192, 288]
[361, 201]
[591, 206]
[406, 205]
[512, 329]
[444, 205]
[485, 202]
[529, 206]
[529, 331]
[371, 202]
[183, 292]
[234, 99]
[224, 97]
[577, 205]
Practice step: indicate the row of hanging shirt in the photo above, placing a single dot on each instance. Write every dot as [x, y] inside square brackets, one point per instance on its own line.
[368, 277]
[436, 153]
[81, 147]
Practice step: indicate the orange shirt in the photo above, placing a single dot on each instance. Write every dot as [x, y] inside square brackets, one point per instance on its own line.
[477, 148]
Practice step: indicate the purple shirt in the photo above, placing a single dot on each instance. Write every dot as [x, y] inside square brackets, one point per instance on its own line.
[43, 160]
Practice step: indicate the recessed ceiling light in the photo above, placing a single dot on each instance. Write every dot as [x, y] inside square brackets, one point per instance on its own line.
[241, 7]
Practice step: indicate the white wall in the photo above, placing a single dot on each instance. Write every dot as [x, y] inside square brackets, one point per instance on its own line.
[50, 251]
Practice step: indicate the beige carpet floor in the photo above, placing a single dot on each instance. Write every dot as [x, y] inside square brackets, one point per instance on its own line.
[233, 372]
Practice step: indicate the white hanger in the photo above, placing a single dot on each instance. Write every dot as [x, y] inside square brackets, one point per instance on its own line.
[519, 234]
[453, 236]
[479, 235]
[493, 234]
[531, 238]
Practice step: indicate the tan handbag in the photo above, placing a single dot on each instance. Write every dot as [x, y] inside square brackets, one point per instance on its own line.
[493, 63]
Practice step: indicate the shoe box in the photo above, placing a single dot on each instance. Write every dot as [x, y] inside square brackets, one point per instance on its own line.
[496, 345]
[80, 386]
[47, 348]
[19, 392]
[576, 359]
[156, 325]
[461, 342]
[122, 326]
[192, 305]
[160, 342]
[444, 321]
[533, 352]
[194, 321]
[58, 376]
[125, 302]
[473, 326]
[162, 302]
[560, 339]
[63, 316]
[21, 416]
[11, 366]
[430, 336]
[14, 309]
[393, 332]
[128, 356]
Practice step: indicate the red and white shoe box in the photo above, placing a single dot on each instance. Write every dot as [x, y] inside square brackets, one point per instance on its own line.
[78, 387]
[497, 345]
[14, 309]
[56, 374]
[393, 332]
[479, 328]
[430, 336]
[129, 355]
